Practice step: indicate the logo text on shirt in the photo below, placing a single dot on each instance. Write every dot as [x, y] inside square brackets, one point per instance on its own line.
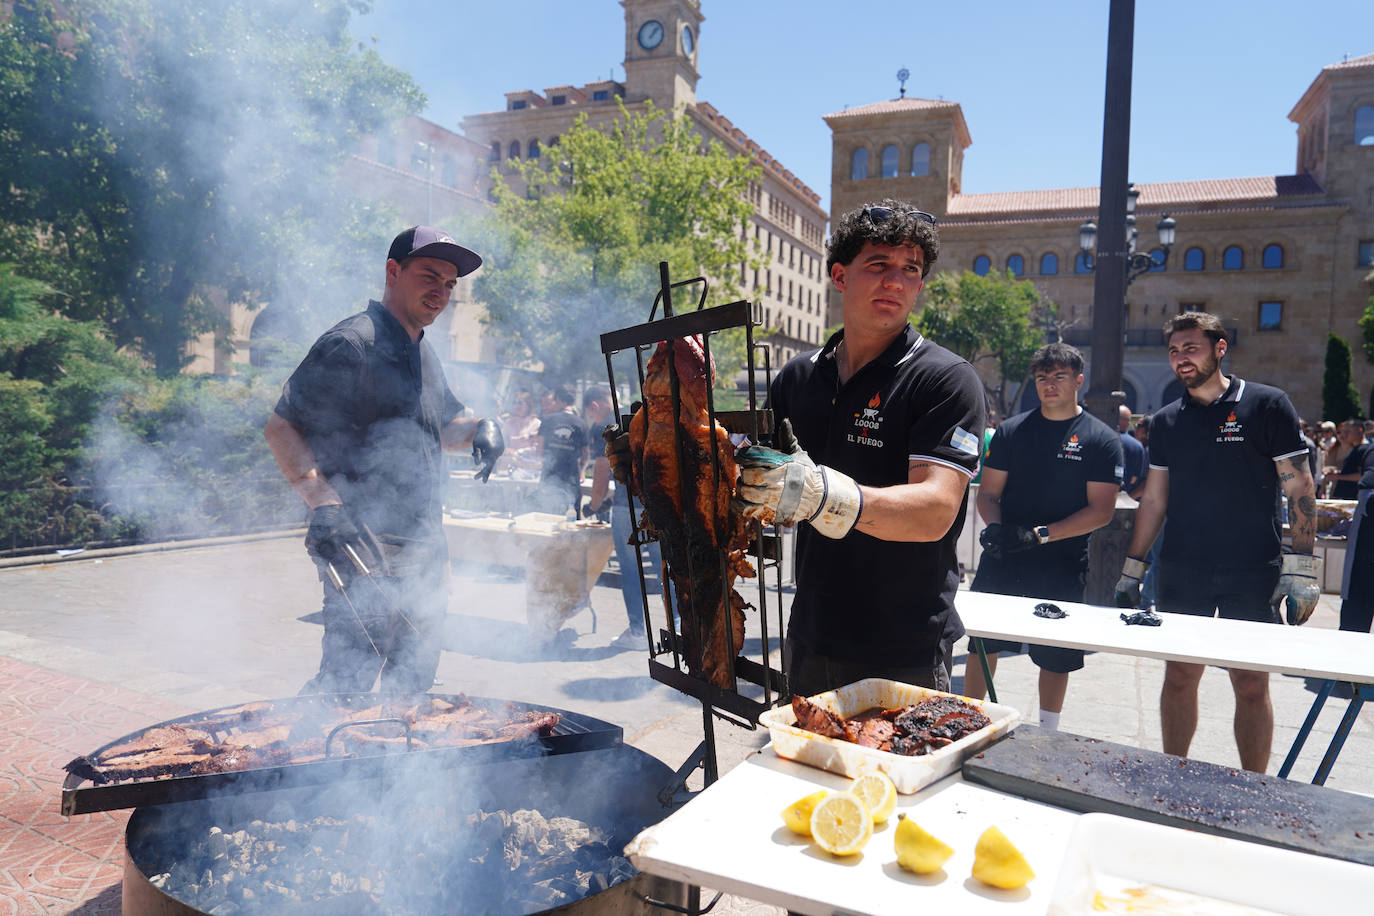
[1230, 430]
[868, 424]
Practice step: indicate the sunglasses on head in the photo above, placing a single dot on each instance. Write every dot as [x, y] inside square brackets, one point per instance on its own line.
[879, 215]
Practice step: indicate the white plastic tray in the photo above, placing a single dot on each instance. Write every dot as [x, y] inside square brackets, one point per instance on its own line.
[908, 774]
[1138, 867]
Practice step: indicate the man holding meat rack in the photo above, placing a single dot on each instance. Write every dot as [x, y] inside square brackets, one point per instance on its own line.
[358, 433]
[888, 427]
[1050, 478]
[1218, 456]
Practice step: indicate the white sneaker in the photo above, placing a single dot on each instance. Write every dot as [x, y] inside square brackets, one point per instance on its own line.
[629, 640]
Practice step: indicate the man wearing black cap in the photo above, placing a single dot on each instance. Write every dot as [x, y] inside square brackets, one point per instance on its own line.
[358, 433]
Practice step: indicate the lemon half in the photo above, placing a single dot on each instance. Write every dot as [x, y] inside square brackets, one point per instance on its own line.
[997, 862]
[797, 815]
[841, 825]
[877, 793]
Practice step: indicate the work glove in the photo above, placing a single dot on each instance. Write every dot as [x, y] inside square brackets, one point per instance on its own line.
[618, 453]
[1295, 596]
[787, 440]
[999, 540]
[1128, 586]
[330, 529]
[487, 446]
[788, 488]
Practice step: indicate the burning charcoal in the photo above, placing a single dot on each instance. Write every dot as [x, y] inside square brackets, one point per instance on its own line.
[160, 881]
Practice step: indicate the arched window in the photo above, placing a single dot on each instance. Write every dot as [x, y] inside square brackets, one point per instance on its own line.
[1232, 258]
[532, 149]
[1017, 265]
[1157, 255]
[858, 164]
[1194, 259]
[1080, 263]
[514, 151]
[981, 265]
[1364, 125]
[1273, 257]
[495, 154]
[889, 161]
[1049, 264]
[920, 159]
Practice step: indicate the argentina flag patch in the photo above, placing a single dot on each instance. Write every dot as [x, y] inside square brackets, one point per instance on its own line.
[964, 441]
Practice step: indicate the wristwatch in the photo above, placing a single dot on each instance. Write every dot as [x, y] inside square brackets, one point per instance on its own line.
[1042, 533]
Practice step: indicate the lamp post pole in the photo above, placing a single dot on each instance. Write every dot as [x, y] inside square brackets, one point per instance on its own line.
[1104, 395]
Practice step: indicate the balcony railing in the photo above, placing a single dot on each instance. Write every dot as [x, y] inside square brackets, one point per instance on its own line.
[1135, 337]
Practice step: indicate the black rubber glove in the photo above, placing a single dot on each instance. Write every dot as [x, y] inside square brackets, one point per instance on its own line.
[618, 453]
[787, 440]
[330, 528]
[1016, 539]
[487, 446]
[991, 539]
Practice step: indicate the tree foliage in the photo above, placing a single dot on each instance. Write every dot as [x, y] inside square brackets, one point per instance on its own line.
[990, 318]
[155, 150]
[578, 253]
[1340, 400]
[1367, 324]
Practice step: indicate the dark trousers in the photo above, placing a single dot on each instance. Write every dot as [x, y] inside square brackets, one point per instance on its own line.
[810, 673]
[630, 559]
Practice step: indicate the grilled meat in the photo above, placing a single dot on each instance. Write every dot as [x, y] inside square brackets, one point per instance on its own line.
[699, 526]
[911, 731]
[817, 719]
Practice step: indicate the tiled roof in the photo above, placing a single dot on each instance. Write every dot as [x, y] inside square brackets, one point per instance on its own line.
[890, 106]
[1353, 63]
[1077, 201]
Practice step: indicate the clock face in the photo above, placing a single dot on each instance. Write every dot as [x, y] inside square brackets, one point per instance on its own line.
[689, 43]
[651, 34]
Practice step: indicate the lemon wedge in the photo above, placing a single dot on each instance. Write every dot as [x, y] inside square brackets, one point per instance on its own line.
[917, 850]
[997, 862]
[877, 793]
[840, 824]
[797, 815]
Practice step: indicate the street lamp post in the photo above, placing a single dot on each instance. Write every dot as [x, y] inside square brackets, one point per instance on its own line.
[1137, 262]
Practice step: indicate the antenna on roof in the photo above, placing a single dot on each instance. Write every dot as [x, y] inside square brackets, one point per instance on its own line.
[902, 76]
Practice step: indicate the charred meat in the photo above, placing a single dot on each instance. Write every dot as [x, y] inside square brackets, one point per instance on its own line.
[688, 504]
[911, 731]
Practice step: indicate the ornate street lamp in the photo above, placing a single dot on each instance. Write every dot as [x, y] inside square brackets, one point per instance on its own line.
[1137, 262]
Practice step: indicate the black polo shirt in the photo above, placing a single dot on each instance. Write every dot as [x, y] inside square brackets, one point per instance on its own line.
[1049, 464]
[372, 403]
[565, 440]
[1223, 482]
[860, 598]
[1354, 464]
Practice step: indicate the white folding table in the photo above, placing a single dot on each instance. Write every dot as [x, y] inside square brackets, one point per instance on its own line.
[1331, 655]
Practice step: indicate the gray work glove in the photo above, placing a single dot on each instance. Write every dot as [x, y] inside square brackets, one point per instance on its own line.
[330, 529]
[784, 489]
[618, 453]
[487, 446]
[1295, 596]
[1128, 586]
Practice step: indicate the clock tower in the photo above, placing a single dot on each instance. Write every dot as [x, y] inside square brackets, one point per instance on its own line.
[661, 51]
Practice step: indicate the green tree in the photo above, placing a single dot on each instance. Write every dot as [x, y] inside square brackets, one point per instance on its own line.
[1340, 400]
[1367, 324]
[154, 151]
[578, 253]
[996, 318]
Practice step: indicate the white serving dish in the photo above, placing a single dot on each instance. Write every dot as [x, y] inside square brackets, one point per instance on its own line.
[1140, 867]
[908, 774]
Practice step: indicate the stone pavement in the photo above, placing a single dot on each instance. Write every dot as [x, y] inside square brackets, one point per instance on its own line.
[96, 646]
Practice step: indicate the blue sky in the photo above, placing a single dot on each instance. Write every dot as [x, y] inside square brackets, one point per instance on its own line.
[1214, 80]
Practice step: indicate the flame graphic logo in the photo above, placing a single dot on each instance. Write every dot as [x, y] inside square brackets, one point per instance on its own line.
[875, 400]
[1232, 417]
[1074, 437]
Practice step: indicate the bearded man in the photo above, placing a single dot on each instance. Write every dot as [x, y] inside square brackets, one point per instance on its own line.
[1218, 456]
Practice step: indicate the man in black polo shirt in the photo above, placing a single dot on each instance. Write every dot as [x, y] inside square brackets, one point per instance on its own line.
[358, 433]
[1050, 478]
[563, 454]
[891, 425]
[1218, 456]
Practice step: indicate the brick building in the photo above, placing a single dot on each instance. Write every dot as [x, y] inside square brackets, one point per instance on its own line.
[1281, 258]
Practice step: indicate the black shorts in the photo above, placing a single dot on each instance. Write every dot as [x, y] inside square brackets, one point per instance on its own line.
[1203, 590]
[1029, 576]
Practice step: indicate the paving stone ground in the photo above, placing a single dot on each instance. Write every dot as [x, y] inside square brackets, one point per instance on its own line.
[95, 647]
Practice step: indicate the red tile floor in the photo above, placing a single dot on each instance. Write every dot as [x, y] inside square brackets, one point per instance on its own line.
[50, 863]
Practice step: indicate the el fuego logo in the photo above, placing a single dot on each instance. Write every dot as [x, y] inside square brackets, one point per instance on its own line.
[868, 423]
[1230, 430]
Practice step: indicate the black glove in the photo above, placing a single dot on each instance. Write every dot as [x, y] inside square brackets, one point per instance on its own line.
[1000, 540]
[487, 446]
[618, 453]
[330, 528]
[787, 440]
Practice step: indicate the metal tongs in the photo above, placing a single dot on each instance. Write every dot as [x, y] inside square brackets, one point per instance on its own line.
[361, 569]
[352, 553]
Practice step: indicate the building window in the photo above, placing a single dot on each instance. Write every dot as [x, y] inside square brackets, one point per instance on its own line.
[1232, 258]
[1364, 125]
[1271, 316]
[495, 153]
[981, 265]
[532, 149]
[1157, 255]
[1184, 307]
[517, 104]
[514, 151]
[1049, 264]
[858, 164]
[1194, 259]
[1365, 256]
[1017, 265]
[1273, 257]
[889, 161]
[1080, 263]
[920, 159]
[601, 95]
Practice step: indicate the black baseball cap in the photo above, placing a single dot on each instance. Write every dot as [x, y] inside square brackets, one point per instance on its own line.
[428, 242]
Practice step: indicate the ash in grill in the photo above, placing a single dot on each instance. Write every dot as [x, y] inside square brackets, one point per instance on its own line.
[436, 862]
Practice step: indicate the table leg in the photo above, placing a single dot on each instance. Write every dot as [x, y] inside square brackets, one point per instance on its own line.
[1306, 729]
[1342, 732]
[977, 642]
